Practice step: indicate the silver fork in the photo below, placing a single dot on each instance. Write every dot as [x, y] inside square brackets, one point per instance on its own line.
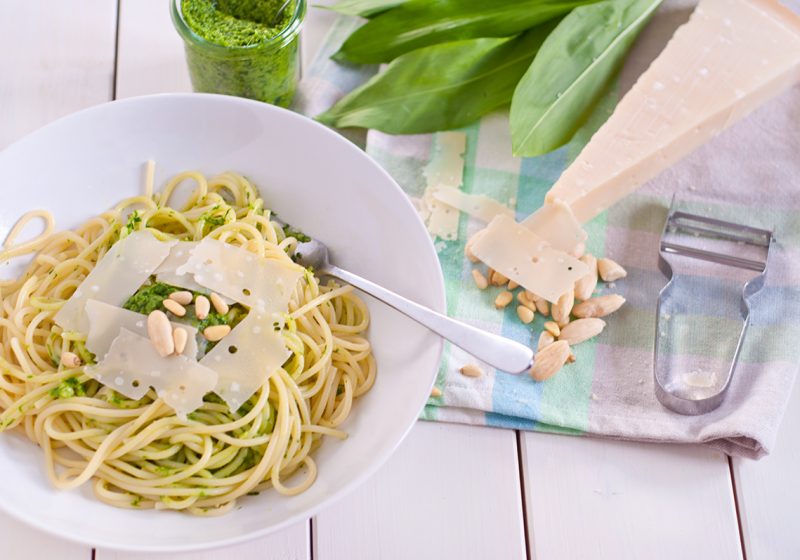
[497, 351]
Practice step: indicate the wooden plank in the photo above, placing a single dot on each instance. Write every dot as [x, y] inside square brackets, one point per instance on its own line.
[290, 544]
[57, 57]
[50, 68]
[768, 492]
[150, 53]
[449, 491]
[21, 542]
[600, 499]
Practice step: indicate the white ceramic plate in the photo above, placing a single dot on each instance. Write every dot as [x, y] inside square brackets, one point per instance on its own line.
[82, 164]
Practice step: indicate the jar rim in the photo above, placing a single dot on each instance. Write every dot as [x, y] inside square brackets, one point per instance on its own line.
[284, 37]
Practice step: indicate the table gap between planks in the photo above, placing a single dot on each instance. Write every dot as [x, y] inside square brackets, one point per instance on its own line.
[450, 491]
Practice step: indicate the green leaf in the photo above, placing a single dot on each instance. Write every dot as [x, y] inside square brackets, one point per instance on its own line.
[571, 71]
[440, 87]
[420, 23]
[363, 8]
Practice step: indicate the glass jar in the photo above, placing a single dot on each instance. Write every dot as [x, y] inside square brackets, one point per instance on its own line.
[267, 71]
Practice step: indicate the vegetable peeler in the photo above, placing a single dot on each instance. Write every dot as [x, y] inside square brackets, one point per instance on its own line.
[703, 311]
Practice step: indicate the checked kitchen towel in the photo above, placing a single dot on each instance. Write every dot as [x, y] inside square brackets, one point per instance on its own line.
[749, 174]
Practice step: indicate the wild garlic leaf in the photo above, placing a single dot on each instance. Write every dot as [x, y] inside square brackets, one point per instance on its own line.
[440, 87]
[363, 8]
[572, 70]
[421, 23]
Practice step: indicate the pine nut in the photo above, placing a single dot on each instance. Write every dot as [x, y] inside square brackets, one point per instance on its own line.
[578, 250]
[160, 332]
[498, 279]
[480, 279]
[562, 308]
[201, 307]
[471, 370]
[436, 392]
[525, 314]
[522, 298]
[571, 359]
[545, 339]
[180, 338]
[174, 307]
[503, 299]
[218, 303]
[70, 360]
[599, 306]
[183, 297]
[610, 271]
[584, 287]
[581, 330]
[553, 328]
[543, 307]
[512, 285]
[549, 360]
[217, 332]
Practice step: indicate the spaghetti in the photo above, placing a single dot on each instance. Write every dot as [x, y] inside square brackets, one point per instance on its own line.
[140, 454]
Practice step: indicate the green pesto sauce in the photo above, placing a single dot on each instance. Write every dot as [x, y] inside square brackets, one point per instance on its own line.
[151, 296]
[68, 388]
[235, 23]
[251, 67]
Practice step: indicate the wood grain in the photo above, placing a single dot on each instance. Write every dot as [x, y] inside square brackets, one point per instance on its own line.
[55, 58]
[50, 68]
[769, 494]
[449, 491]
[601, 499]
[293, 543]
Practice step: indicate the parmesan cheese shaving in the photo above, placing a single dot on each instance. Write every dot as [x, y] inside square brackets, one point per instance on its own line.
[478, 206]
[520, 255]
[246, 358]
[132, 366]
[105, 322]
[264, 285]
[115, 277]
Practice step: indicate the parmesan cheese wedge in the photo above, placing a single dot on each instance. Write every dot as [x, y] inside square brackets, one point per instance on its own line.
[555, 223]
[729, 58]
[115, 277]
[131, 366]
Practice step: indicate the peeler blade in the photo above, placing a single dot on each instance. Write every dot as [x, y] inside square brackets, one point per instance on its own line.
[714, 269]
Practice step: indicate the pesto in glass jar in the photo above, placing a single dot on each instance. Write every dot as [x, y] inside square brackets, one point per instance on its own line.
[242, 47]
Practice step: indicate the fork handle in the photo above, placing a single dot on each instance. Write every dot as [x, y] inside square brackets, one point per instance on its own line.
[497, 351]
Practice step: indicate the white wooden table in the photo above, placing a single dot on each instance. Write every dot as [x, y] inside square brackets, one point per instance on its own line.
[450, 491]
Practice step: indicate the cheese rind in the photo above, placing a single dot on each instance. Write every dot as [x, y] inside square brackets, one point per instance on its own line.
[729, 58]
[521, 255]
[115, 277]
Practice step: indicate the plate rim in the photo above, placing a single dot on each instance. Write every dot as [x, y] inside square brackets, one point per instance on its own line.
[438, 292]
